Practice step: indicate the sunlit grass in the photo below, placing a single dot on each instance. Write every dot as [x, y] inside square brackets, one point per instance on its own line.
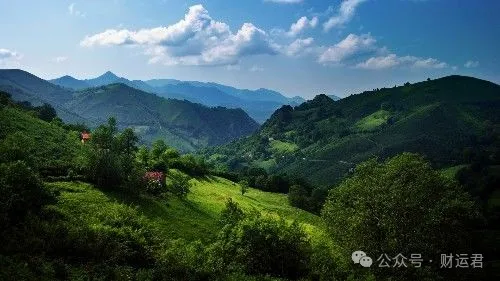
[193, 218]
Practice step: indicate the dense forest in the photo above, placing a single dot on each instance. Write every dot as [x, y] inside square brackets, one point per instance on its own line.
[109, 208]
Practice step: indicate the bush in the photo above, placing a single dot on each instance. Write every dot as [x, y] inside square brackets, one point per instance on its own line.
[264, 245]
[184, 261]
[298, 197]
[104, 169]
[21, 192]
[178, 183]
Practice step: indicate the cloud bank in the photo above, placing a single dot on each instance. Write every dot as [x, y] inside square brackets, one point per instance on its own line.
[195, 40]
[362, 51]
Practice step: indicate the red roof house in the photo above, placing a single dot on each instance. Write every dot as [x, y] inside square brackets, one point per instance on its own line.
[85, 136]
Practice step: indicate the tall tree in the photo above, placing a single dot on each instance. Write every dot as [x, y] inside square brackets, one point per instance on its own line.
[400, 206]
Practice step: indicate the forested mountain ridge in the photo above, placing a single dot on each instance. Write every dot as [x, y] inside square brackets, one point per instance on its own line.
[23, 86]
[325, 139]
[186, 125]
[259, 104]
[182, 123]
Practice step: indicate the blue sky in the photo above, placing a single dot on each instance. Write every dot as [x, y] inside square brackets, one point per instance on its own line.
[298, 47]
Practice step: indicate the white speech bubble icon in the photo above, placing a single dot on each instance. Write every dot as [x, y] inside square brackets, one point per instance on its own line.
[366, 261]
[357, 255]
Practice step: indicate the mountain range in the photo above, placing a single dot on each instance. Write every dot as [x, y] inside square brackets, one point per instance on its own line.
[183, 124]
[325, 139]
[259, 104]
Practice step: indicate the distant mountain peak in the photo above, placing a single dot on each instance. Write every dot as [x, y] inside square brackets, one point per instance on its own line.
[321, 97]
[109, 75]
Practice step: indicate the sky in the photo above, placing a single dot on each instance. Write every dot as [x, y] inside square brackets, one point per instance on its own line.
[297, 47]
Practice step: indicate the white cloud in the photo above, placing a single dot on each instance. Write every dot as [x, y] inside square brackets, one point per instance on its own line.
[195, 40]
[352, 45]
[60, 59]
[285, 1]
[471, 64]
[380, 62]
[345, 13]
[256, 68]
[9, 58]
[354, 50]
[302, 24]
[392, 60]
[299, 46]
[8, 54]
[428, 63]
[74, 12]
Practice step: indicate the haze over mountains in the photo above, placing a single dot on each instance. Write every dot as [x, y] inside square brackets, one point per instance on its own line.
[259, 104]
[183, 124]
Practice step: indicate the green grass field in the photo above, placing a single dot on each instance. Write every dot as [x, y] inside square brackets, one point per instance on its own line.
[373, 121]
[191, 219]
[281, 147]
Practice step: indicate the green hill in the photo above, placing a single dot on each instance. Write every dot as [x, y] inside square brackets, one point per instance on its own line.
[183, 124]
[437, 118]
[46, 145]
[195, 218]
[72, 230]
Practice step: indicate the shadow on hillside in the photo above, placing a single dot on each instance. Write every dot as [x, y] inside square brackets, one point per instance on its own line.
[154, 207]
[207, 178]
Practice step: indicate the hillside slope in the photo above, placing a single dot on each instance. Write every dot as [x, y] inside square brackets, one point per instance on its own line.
[49, 146]
[195, 218]
[24, 86]
[183, 124]
[436, 118]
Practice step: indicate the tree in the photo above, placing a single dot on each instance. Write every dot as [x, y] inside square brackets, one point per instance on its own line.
[18, 146]
[399, 206]
[46, 112]
[231, 214]
[298, 197]
[264, 245]
[142, 157]
[109, 163]
[127, 144]
[157, 148]
[22, 192]
[243, 186]
[179, 184]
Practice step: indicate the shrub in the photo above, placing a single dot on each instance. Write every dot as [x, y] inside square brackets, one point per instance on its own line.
[264, 245]
[298, 197]
[178, 183]
[21, 192]
[104, 169]
[243, 186]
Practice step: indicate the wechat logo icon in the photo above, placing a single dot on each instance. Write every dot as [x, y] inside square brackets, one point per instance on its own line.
[361, 258]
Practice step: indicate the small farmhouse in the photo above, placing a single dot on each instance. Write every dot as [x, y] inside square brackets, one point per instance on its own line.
[85, 136]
